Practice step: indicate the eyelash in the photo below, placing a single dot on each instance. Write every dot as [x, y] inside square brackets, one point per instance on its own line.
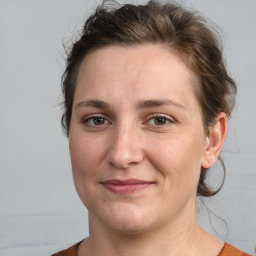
[167, 121]
[93, 118]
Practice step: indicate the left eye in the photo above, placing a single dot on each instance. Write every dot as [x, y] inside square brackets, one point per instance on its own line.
[159, 120]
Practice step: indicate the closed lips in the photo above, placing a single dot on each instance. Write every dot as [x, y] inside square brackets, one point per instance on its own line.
[125, 186]
[125, 182]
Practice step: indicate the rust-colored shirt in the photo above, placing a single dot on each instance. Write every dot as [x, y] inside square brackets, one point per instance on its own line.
[227, 250]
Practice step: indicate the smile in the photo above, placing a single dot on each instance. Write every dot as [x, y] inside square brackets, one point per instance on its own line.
[125, 186]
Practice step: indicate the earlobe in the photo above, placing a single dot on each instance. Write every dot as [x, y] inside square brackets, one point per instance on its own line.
[214, 141]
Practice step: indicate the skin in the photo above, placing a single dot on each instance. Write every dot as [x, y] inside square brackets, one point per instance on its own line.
[135, 116]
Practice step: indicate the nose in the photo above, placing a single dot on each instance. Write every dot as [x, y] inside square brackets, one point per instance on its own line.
[126, 148]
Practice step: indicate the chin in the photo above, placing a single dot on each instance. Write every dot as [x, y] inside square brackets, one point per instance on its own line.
[128, 227]
[127, 220]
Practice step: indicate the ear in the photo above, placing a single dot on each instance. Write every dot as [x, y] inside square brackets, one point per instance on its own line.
[214, 141]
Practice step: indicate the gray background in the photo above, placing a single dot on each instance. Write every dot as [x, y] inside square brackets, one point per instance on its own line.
[39, 210]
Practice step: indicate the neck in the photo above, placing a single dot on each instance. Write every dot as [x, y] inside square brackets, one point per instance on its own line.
[157, 242]
[176, 238]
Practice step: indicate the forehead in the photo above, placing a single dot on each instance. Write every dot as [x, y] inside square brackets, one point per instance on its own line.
[136, 71]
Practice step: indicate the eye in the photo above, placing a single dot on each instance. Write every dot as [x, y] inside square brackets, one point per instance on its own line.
[98, 120]
[94, 121]
[159, 120]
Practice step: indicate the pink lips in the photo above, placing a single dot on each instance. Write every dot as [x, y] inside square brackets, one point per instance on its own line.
[125, 186]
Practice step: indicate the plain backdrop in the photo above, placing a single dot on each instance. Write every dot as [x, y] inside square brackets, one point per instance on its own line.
[40, 212]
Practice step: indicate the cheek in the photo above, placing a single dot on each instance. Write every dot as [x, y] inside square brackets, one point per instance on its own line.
[178, 160]
[85, 158]
[85, 153]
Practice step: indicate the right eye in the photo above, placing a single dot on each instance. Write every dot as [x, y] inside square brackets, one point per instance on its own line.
[94, 121]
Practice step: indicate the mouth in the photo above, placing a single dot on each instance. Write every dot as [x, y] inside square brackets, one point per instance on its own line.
[125, 186]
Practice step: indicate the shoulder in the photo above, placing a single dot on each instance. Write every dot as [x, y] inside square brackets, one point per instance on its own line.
[71, 251]
[229, 250]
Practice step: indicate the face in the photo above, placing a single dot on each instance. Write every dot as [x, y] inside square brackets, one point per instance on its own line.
[137, 140]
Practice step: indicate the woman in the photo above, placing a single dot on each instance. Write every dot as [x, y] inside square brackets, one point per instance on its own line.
[147, 97]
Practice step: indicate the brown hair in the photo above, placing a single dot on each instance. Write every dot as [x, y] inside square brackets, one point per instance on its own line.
[182, 31]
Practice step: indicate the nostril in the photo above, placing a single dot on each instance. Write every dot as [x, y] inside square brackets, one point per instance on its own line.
[125, 149]
[124, 158]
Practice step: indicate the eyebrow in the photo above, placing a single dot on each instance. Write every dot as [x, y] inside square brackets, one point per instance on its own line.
[144, 104]
[158, 103]
[94, 103]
